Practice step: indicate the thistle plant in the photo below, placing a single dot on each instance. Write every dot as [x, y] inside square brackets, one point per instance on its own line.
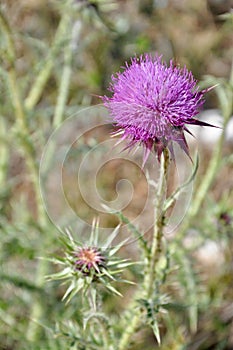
[107, 292]
[90, 265]
[153, 103]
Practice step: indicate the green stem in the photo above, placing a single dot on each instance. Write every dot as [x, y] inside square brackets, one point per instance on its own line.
[154, 255]
[65, 82]
[26, 143]
[133, 325]
[43, 76]
[10, 42]
[37, 307]
[4, 153]
[156, 247]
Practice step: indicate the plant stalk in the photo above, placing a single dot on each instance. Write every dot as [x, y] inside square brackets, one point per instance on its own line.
[154, 255]
[43, 76]
[156, 247]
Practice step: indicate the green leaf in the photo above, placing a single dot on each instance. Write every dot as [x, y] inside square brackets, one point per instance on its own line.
[130, 226]
[67, 272]
[73, 289]
[155, 328]
[111, 237]
[118, 247]
[69, 289]
[112, 289]
[105, 272]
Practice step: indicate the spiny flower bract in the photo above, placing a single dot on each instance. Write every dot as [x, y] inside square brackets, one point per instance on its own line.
[85, 264]
[152, 102]
[88, 258]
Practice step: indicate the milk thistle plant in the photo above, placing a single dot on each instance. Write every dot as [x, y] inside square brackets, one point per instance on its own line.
[89, 266]
[152, 104]
[72, 293]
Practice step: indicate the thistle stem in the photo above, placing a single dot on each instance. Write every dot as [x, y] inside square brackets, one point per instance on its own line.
[156, 247]
[131, 329]
[154, 255]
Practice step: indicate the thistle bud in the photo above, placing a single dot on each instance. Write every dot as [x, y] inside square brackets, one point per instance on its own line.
[89, 259]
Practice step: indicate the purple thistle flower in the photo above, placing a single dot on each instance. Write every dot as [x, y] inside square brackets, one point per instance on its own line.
[89, 258]
[152, 103]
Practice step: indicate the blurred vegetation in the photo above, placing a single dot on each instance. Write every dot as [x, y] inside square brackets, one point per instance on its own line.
[57, 57]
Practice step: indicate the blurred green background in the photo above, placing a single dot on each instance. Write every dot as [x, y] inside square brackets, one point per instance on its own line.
[81, 44]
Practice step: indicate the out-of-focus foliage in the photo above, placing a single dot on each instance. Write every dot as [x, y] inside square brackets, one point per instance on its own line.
[64, 53]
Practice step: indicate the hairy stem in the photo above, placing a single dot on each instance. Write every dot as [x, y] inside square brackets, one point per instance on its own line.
[154, 255]
[156, 247]
[133, 325]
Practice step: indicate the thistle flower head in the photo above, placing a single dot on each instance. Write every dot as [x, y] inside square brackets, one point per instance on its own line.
[89, 258]
[84, 265]
[152, 103]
